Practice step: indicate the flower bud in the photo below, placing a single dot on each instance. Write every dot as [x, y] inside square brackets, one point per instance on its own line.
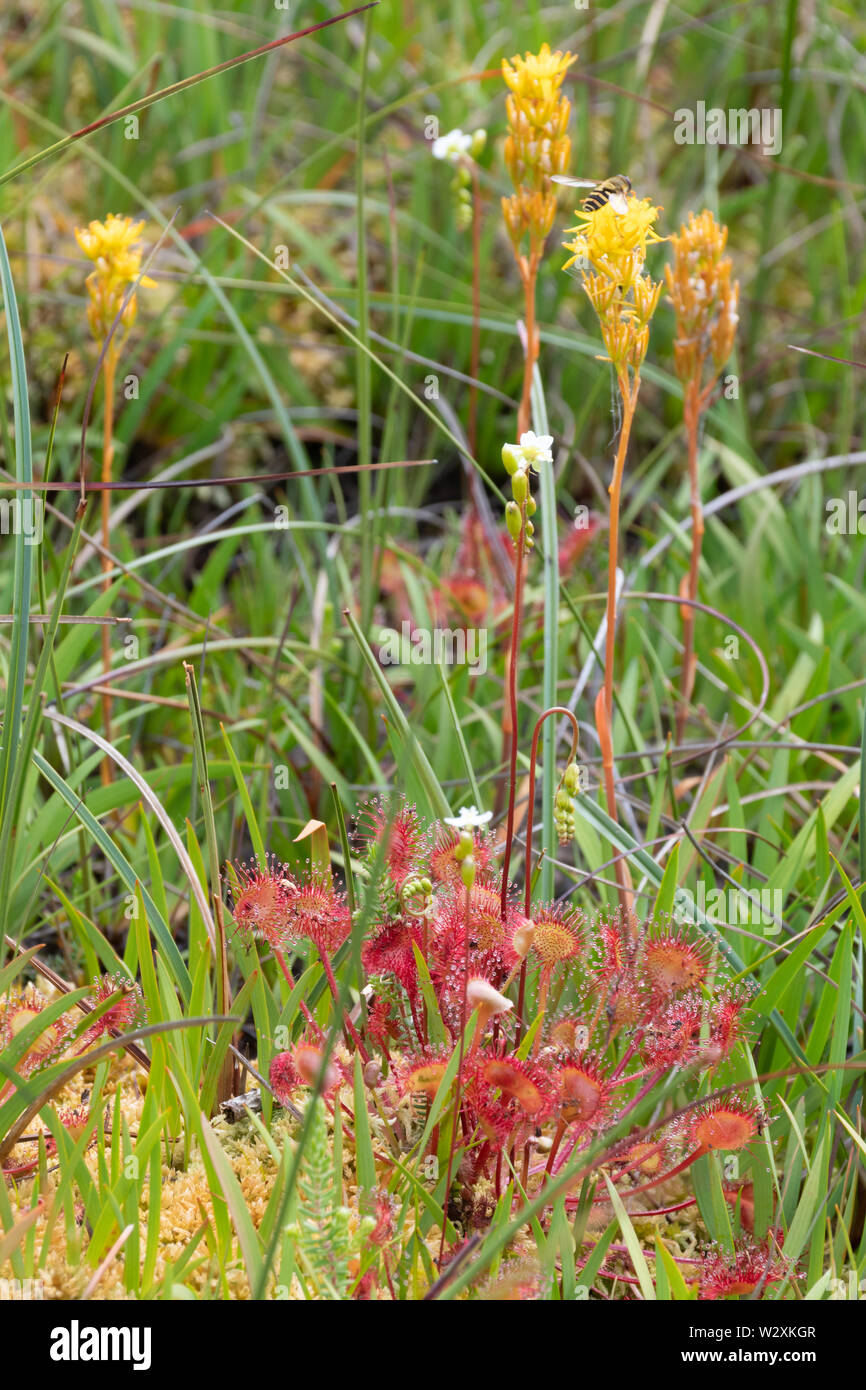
[511, 457]
[522, 938]
[467, 871]
[520, 486]
[465, 845]
[513, 520]
[571, 780]
[481, 995]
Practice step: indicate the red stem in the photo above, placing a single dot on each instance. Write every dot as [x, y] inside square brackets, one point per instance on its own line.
[663, 1177]
[459, 1079]
[512, 700]
[347, 1022]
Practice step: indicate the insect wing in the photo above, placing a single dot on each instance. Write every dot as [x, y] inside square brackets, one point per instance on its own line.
[573, 183]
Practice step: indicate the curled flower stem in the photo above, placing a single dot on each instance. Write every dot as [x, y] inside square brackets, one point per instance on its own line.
[575, 743]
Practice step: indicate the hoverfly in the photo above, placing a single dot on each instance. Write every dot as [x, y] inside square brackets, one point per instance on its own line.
[613, 190]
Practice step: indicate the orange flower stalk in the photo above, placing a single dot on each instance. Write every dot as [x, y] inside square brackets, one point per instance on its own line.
[705, 306]
[610, 248]
[113, 248]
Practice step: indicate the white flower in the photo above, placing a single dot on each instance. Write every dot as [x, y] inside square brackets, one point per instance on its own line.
[470, 818]
[481, 995]
[532, 451]
[452, 146]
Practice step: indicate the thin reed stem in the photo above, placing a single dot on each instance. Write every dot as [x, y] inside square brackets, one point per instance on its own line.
[107, 459]
[475, 350]
[692, 417]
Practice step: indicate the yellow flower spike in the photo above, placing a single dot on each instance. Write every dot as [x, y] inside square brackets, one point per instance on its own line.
[615, 243]
[704, 301]
[536, 148]
[113, 247]
[647, 293]
[610, 247]
[538, 76]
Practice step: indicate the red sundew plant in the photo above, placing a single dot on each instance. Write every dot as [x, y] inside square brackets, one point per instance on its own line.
[19, 1009]
[304, 1065]
[273, 906]
[74, 1119]
[126, 1013]
[504, 1092]
[750, 1269]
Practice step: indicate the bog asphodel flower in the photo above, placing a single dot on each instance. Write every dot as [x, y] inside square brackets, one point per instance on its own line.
[610, 248]
[537, 145]
[535, 80]
[113, 247]
[705, 303]
[704, 300]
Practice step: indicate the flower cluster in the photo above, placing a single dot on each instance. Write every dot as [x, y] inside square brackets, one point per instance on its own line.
[704, 299]
[537, 145]
[563, 807]
[113, 247]
[460, 149]
[532, 453]
[609, 247]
